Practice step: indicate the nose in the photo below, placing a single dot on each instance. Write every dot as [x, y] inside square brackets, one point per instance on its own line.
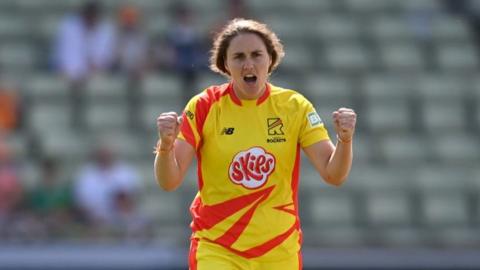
[248, 64]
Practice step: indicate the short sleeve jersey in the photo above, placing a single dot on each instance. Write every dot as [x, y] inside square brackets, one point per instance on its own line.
[248, 155]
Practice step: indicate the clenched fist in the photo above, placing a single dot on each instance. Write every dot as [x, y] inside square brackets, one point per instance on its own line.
[168, 126]
[344, 120]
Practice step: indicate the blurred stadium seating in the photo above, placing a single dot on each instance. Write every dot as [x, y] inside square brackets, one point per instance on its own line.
[408, 67]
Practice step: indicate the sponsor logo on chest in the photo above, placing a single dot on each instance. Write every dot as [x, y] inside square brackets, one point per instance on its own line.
[251, 168]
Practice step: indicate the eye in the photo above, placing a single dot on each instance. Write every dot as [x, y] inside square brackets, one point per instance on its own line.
[238, 56]
[256, 54]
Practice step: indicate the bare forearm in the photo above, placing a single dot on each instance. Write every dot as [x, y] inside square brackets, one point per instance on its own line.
[340, 163]
[333, 163]
[167, 171]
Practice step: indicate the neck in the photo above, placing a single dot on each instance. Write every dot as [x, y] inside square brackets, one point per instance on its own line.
[244, 95]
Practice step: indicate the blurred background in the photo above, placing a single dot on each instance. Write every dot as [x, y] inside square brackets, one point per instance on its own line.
[81, 84]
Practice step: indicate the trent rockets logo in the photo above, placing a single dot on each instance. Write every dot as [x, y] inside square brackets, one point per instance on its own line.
[275, 126]
[251, 168]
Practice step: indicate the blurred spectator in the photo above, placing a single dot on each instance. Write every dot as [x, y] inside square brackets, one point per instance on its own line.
[131, 55]
[460, 7]
[466, 10]
[129, 222]
[131, 43]
[9, 108]
[97, 184]
[51, 200]
[186, 46]
[84, 45]
[11, 190]
[236, 9]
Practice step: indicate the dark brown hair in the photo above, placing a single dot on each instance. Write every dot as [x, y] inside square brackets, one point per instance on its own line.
[234, 28]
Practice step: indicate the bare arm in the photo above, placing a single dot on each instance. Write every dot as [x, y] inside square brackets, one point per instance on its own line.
[334, 162]
[173, 156]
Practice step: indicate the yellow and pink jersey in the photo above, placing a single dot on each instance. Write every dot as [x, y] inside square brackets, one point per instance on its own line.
[248, 155]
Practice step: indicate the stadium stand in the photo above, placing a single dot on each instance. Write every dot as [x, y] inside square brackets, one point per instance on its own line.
[408, 67]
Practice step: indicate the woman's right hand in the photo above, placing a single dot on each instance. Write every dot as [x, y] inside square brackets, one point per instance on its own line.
[168, 127]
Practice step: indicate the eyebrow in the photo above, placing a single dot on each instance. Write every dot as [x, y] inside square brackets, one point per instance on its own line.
[241, 53]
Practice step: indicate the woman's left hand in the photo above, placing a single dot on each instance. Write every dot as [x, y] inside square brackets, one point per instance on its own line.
[344, 120]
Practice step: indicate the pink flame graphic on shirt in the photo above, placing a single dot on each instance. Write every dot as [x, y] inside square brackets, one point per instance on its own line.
[251, 168]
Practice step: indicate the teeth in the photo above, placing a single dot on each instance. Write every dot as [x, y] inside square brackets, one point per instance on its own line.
[249, 76]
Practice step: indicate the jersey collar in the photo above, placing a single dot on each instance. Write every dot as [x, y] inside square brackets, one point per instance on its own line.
[238, 101]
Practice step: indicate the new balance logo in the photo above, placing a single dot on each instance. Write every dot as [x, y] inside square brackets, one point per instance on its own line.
[227, 131]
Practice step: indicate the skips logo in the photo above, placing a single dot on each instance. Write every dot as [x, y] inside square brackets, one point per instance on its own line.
[251, 168]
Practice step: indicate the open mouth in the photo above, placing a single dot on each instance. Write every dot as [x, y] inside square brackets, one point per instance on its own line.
[250, 78]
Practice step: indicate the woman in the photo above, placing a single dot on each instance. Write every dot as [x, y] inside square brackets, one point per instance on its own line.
[247, 135]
